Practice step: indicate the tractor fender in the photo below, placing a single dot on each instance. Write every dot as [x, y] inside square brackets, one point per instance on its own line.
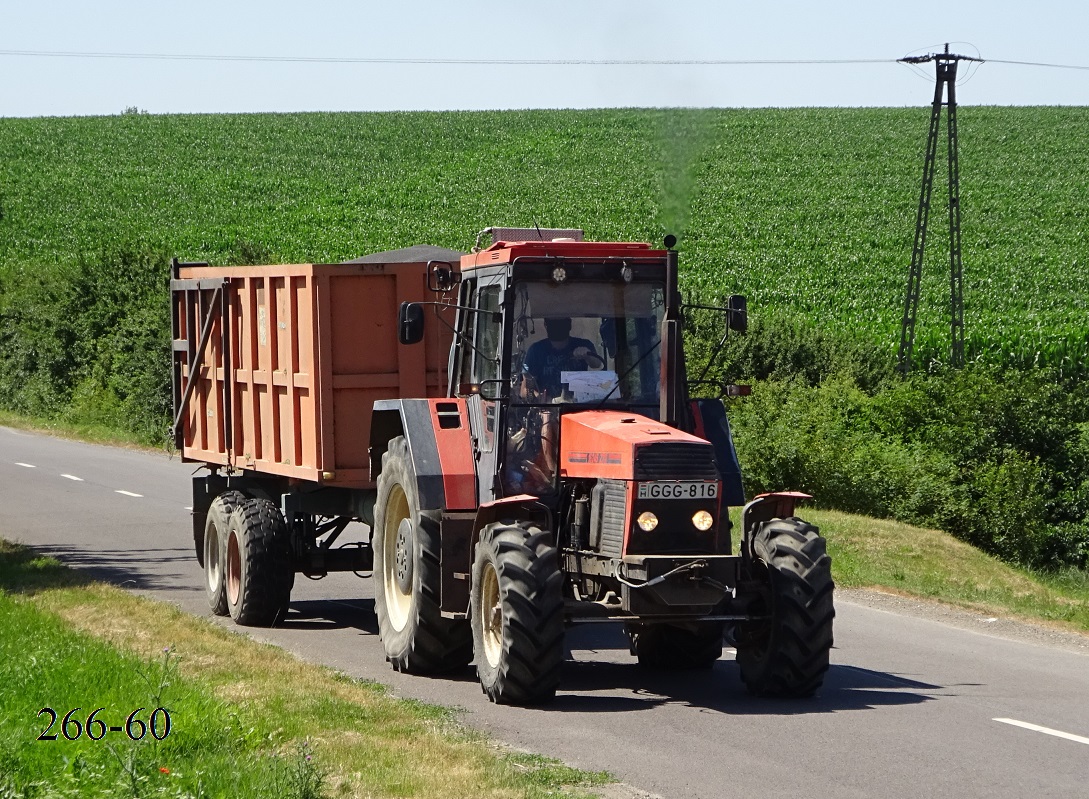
[521, 507]
[439, 444]
[765, 507]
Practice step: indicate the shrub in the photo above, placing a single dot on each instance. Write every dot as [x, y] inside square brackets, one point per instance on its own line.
[996, 459]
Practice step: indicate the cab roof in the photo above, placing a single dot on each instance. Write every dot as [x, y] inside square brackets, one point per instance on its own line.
[505, 252]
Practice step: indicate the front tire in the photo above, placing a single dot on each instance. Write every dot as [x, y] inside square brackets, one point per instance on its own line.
[259, 568]
[214, 546]
[407, 581]
[517, 614]
[787, 655]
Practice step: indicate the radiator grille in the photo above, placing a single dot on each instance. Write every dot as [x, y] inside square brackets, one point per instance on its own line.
[609, 517]
[675, 462]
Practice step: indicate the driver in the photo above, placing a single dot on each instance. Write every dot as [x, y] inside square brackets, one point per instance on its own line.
[560, 352]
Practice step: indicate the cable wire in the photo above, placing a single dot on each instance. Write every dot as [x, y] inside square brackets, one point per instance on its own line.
[445, 61]
[1035, 64]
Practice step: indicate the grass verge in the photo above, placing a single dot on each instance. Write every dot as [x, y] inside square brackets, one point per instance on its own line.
[247, 719]
[90, 432]
[883, 554]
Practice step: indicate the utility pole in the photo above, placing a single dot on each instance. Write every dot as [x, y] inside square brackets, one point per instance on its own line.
[945, 87]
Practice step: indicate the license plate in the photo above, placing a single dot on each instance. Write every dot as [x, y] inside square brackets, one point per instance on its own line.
[662, 489]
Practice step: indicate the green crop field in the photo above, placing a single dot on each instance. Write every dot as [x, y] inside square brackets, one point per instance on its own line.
[810, 212]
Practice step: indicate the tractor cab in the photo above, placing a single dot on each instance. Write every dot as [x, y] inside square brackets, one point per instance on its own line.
[550, 328]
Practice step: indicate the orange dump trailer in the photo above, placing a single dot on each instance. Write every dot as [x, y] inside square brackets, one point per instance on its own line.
[277, 368]
[276, 372]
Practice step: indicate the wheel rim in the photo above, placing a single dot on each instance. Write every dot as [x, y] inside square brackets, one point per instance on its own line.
[234, 569]
[395, 542]
[491, 614]
[213, 569]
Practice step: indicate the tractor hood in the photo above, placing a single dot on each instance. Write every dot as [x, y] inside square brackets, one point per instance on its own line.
[621, 445]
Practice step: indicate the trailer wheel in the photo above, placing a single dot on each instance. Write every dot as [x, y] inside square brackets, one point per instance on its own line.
[787, 655]
[259, 569]
[214, 548]
[517, 613]
[407, 580]
[670, 646]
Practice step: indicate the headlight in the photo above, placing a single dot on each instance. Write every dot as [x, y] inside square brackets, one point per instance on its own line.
[703, 520]
[647, 521]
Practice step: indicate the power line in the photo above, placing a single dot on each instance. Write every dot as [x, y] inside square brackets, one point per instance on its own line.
[1035, 64]
[448, 61]
[501, 61]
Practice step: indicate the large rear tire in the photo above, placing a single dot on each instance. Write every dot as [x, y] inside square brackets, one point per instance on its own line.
[259, 568]
[214, 549]
[787, 655]
[669, 646]
[517, 614]
[407, 580]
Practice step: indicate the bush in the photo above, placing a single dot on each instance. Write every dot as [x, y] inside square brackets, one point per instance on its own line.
[999, 460]
[90, 344]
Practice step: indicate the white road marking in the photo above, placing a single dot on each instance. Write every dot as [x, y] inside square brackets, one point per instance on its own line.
[127, 493]
[72, 477]
[1045, 730]
[26, 465]
[189, 507]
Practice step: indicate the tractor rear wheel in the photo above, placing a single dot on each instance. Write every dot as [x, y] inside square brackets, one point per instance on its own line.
[213, 544]
[517, 613]
[787, 654]
[669, 646]
[407, 580]
[259, 569]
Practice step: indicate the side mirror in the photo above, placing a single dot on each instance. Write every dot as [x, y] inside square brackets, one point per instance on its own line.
[738, 313]
[410, 323]
[441, 276]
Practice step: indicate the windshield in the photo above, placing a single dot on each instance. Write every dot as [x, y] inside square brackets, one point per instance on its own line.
[587, 342]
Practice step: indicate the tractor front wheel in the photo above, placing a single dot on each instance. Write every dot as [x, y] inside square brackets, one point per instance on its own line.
[786, 654]
[517, 613]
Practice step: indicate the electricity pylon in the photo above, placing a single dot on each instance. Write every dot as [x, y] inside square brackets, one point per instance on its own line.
[945, 87]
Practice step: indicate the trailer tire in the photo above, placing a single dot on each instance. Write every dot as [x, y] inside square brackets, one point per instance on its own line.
[516, 609]
[670, 646]
[213, 548]
[787, 655]
[259, 569]
[408, 575]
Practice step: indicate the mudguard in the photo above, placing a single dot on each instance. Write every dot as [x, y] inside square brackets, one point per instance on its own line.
[439, 443]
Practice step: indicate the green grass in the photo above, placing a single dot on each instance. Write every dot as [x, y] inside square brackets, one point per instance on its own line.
[91, 432]
[883, 554]
[808, 211]
[211, 746]
[247, 719]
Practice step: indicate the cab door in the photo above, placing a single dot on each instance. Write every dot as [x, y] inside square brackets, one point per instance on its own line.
[482, 375]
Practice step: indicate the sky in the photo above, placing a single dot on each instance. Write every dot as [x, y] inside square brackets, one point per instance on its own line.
[874, 32]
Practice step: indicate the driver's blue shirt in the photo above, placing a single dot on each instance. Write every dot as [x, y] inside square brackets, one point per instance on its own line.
[545, 362]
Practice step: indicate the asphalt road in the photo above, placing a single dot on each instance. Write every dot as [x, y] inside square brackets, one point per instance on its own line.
[911, 706]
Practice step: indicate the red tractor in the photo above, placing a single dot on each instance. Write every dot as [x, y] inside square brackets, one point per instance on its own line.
[600, 488]
[564, 475]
